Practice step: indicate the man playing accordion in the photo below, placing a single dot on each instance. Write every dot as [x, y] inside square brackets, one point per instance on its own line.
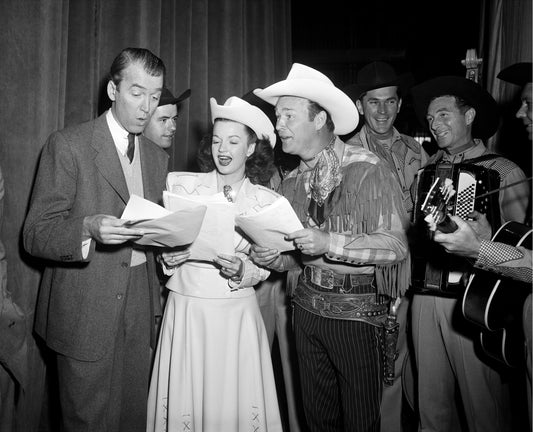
[460, 114]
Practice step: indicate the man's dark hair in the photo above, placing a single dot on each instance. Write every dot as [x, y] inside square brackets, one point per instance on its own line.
[152, 64]
[259, 166]
[314, 109]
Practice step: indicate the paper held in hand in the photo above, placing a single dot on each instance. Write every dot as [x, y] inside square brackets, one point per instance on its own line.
[162, 227]
[216, 234]
[269, 225]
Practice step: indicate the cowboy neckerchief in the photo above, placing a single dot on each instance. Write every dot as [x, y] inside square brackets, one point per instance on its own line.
[404, 157]
[364, 216]
[513, 200]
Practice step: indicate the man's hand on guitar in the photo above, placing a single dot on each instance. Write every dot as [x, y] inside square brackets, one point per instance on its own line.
[466, 240]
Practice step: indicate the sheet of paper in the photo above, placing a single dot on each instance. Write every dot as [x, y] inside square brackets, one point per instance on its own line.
[139, 208]
[216, 235]
[162, 227]
[269, 225]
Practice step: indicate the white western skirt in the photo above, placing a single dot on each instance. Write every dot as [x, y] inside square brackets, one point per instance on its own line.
[212, 369]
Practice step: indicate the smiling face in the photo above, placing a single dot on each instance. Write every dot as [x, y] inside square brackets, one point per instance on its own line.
[135, 98]
[380, 108]
[162, 125]
[295, 129]
[525, 111]
[450, 127]
[230, 148]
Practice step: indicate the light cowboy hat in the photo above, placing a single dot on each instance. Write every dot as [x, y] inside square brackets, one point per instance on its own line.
[305, 82]
[241, 111]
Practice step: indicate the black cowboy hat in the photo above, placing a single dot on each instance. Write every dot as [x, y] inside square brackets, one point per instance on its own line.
[167, 98]
[518, 73]
[377, 75]
[487, 117]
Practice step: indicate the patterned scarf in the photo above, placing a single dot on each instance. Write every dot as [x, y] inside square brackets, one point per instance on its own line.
[325, 177]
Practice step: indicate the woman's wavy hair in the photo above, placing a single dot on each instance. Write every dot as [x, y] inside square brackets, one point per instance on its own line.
[259, 166]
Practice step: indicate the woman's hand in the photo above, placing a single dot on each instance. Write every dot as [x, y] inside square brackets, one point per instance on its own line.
[264, 257]
[231, 266]
[175, 258]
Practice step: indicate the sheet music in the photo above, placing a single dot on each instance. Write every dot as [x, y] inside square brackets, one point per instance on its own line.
[162, 227]
[269, 225]
[216, 234]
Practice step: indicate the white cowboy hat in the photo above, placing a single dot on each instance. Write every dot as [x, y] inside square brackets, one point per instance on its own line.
[308, 83]
[241, 111]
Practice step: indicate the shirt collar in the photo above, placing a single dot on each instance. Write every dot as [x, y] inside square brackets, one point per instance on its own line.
[470, 152]
[119, 134]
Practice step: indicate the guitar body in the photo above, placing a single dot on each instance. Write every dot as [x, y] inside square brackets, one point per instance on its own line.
[495, 303]
[504, 345]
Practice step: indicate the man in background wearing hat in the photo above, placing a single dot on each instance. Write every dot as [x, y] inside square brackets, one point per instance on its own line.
[162, 125]
[458, 111]
[377, 95]
[472, 238]
[160, 130]
[351, 255]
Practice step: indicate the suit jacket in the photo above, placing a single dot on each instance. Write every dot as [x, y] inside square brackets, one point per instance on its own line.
[80, 298]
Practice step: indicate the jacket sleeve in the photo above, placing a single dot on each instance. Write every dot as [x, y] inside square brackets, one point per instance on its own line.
[252, 275]
[50, 231]
[506, 260]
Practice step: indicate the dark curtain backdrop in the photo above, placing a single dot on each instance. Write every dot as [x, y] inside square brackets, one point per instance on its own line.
[55, 56]
[508, 40]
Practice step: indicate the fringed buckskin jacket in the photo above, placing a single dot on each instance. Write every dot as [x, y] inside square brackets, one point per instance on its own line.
[364, 216]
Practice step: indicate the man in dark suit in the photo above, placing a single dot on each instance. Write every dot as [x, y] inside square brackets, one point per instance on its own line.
[99, 293]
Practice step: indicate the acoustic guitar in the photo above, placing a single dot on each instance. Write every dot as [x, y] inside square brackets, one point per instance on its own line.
[495, 303]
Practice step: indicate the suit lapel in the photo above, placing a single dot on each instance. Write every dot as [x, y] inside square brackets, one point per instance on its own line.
[106, 160]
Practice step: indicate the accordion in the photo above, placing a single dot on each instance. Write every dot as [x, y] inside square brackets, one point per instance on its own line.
[433, 269]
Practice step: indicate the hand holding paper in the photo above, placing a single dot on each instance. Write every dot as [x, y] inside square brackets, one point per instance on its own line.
[162, 227]
[268, 226]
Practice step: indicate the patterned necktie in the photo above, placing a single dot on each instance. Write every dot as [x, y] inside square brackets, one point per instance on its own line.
[228, 192]
[131, 146]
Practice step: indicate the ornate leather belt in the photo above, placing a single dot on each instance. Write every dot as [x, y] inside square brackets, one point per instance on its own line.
[363, 306]
[331, 282]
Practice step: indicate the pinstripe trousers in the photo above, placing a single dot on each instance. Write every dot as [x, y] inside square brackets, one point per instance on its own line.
[340, 372]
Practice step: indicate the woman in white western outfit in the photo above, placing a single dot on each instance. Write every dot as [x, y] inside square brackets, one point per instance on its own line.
[213, 369]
